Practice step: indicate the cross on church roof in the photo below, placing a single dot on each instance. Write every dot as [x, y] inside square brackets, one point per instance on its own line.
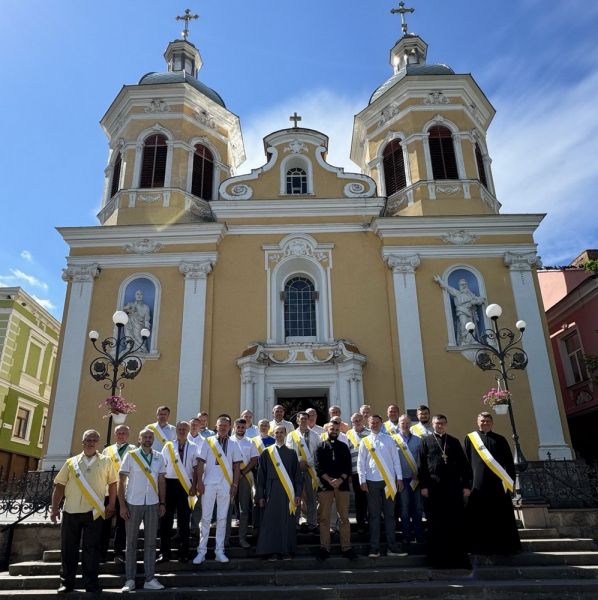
[402, 10]
[187, 17]
[295, 118]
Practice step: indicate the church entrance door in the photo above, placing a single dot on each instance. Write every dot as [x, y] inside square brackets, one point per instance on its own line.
[294, 401]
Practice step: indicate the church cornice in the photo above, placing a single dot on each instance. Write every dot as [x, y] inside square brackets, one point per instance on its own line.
[497, 250]
[117, 261]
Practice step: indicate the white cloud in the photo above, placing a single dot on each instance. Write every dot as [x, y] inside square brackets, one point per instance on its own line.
[26, 255]
[44, 303]
[18, 276]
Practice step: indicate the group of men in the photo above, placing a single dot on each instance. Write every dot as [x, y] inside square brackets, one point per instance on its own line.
[276, 471]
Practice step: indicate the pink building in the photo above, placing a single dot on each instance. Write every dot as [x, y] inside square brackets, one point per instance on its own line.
[570, 296]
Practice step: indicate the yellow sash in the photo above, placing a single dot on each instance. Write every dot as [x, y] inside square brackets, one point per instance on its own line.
[113, 454]
[354, 438]
[86, 489]
[420, 430]
[157, 434]
[388, 426]
[257, 440]
[490, 461]
[324, 435]
[223, 465]
[409, 457]
[182, 476]
[145, 468]
[287, 484]
[302, 450]
[391, 489]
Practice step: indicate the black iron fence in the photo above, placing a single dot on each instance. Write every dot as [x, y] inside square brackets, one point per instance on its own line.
[561, 483]
[27, 494]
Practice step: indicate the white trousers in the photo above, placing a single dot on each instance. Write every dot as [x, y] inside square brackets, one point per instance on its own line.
[219, 493]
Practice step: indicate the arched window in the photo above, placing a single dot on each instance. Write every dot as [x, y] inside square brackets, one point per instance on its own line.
[394, 167]
[299, 308]
[153, 164]
[481, 167]
[442, 153]
[114, 184]
[296, 181]
[203, 173]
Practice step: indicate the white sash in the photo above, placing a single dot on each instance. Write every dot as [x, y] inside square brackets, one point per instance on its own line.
[354, 437]
[387, 474]
[420, 430]
[402, 444]
[490, 461]
[283, 475]
[86, 489]
[222, 459]
[158, 433]
[389, 427]
[257, 440]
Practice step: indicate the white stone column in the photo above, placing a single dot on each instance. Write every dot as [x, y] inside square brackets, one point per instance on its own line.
[68, 382]
[409, 331]
[354, 380]
[248, 402]
[544, 398]
[192, 337]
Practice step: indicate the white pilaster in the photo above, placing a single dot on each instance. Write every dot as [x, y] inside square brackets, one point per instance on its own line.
[74, 337]
[544, 399]
[409, 331]
[192, 337]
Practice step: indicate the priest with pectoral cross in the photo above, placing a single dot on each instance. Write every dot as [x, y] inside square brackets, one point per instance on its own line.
[490, 516]
[445, 479]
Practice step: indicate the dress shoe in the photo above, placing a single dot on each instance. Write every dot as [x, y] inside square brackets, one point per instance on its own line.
[322, 555]
[64, 589]
[162, 559]
[244, 544]
[350, 554]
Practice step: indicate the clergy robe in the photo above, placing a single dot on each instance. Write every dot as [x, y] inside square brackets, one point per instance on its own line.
[278, 534]
[490, 517]
[446, 547]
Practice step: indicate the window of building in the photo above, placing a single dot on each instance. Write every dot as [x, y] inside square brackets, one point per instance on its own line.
[153, 163]
[442, 153]
[115, 183]
[296, 181]
[42, 431]
[394, 167]
[21, 429]
[32, 364]
[481, 167]
[203, 173]
[577, 371]
[300, 308]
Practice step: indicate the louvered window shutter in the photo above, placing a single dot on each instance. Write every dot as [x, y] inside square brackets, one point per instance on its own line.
[114, 185]
[203, 173]
[153, 165]
[442, 153]
[394, 167]
[481, 167]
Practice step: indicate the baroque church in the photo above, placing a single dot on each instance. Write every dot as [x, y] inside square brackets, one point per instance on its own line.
[301, 284]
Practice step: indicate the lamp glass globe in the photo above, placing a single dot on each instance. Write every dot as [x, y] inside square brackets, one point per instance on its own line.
[93, 335]
[145, 333]
[493, 311]
[521, 325]
[120, 317]
[470, 327]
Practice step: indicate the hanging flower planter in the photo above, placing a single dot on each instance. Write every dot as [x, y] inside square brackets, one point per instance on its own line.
[501, 409]
[118, 409]
[498, 400]
[118, 418]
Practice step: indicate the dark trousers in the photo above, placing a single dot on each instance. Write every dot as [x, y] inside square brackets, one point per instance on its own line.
[377, 500]
[176, 501]
[361, 501]
[120, 533]
[74, 527]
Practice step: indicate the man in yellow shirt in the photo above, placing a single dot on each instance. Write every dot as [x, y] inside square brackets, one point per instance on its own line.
[82, 481]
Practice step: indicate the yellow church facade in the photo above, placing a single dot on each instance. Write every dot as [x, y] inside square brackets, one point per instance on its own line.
[301, 283]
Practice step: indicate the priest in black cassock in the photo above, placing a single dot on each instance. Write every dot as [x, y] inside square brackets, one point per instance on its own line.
[278, 533]
[490, 517]
[445, 479]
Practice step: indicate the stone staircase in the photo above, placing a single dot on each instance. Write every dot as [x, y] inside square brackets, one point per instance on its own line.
[548, 568]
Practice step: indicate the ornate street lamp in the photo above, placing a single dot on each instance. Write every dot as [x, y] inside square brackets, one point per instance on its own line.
[500, 346]
[116, 361]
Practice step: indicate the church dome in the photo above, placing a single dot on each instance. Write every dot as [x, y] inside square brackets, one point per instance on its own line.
[421, 69]
[181, 77]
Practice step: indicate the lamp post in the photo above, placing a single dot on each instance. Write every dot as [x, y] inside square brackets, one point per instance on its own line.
[500, 345]
[116, 361]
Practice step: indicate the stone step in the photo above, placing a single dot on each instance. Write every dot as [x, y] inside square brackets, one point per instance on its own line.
[321, 577]
[245, 565]
[548, 532]
[454, 585]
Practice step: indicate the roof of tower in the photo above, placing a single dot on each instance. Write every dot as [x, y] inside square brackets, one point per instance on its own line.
[434, 69]
[181, 77]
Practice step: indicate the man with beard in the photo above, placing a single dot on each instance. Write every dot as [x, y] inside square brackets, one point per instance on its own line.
[279, 487]
[489, 513]
[423, 428]
[445, 480]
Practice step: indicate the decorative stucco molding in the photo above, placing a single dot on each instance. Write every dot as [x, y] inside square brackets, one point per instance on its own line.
[81, 273]
[435, 98]
[458, 237]
[157, 106]
[149, 198]
[522, 262]
[145, 246]
[453, 189]
[402, 264]
[196, 270]
[204, 117]
[296, 147]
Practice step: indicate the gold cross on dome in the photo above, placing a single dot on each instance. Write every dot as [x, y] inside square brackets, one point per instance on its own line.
[402, 10]
[187, 17]
[295, 118]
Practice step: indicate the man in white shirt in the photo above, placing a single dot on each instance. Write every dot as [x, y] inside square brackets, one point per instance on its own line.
[204, 419]
[304, 442]
[142, 493]
[116, 453]
[355, 436]
[245, 489]
[278, 414]
[379, 467]
[251, 430]
[313, 417]
[181, 458]
[195, 436]
[217, 478]
[163, 432]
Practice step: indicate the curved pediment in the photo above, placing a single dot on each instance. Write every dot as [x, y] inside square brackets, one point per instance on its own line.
[296, 169]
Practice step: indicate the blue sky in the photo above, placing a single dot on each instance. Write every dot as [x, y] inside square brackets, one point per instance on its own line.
[64, 61]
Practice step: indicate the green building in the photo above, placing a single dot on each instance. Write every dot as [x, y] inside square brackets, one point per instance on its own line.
[28, 346]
